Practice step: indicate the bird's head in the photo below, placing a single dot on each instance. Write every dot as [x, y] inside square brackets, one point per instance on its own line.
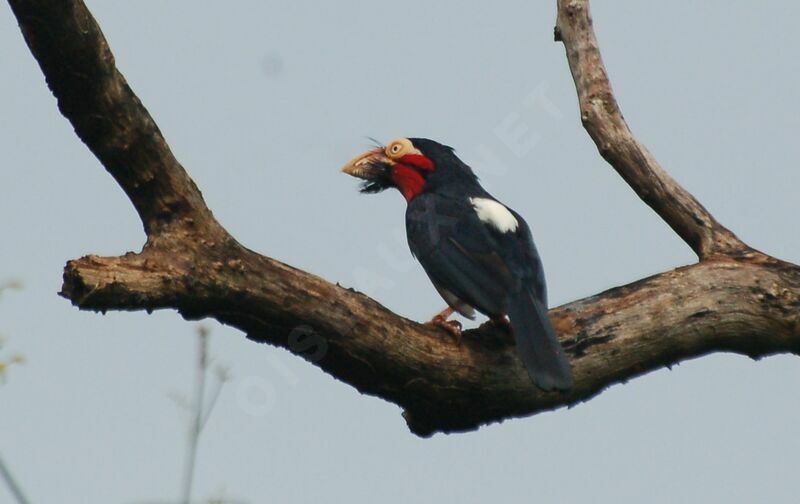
[412, 165]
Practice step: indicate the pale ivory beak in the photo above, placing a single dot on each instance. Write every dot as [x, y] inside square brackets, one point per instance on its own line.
[367, 165]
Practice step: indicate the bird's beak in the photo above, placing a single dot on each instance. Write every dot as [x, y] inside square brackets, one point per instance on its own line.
[369, 165]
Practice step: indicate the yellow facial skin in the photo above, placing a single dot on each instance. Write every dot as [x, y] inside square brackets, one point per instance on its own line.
[360, 166]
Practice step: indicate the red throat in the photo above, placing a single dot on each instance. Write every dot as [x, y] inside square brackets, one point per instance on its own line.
[408, 180]
[407, 174]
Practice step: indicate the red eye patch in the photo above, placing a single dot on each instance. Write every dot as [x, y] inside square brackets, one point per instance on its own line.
[417, 161]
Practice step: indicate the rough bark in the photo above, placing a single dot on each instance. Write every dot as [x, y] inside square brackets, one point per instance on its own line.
[735, 299]
[603, 121]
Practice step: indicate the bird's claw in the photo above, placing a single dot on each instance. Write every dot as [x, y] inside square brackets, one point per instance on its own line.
[453, 327]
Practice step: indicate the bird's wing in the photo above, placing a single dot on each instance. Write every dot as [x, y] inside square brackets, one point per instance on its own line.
[497, 270]
[477, 263]
[530, 256]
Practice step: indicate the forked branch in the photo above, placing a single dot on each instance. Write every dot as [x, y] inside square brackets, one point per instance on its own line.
[734, 300]
[603, 121]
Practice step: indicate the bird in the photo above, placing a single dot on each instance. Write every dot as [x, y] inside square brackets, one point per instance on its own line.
[478, 253]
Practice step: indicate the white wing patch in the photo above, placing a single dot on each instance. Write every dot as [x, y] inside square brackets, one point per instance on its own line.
[494, 214]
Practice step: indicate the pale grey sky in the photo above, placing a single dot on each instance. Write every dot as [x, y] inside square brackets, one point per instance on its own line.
[263, 102]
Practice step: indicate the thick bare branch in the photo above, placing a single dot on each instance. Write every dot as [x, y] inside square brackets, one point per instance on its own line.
[79, 67]
[746, 303]
[750, 307]
[603, 121]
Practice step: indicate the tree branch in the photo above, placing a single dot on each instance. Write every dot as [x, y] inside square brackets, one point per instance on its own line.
[80, 70]
[733, 301]
[603, 121]
[752, 308]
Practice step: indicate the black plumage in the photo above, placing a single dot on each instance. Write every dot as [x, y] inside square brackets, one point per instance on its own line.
[478, 253]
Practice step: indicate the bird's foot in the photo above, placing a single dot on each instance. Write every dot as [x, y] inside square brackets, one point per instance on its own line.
[453, 327]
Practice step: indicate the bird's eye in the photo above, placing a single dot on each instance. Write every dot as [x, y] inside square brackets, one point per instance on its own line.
[398, 147]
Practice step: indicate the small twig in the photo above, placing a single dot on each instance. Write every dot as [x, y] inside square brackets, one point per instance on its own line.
[12, 484]
[222, 378]
[197, 420]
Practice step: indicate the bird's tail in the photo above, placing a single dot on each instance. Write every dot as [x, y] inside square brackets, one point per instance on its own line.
[537, 343]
